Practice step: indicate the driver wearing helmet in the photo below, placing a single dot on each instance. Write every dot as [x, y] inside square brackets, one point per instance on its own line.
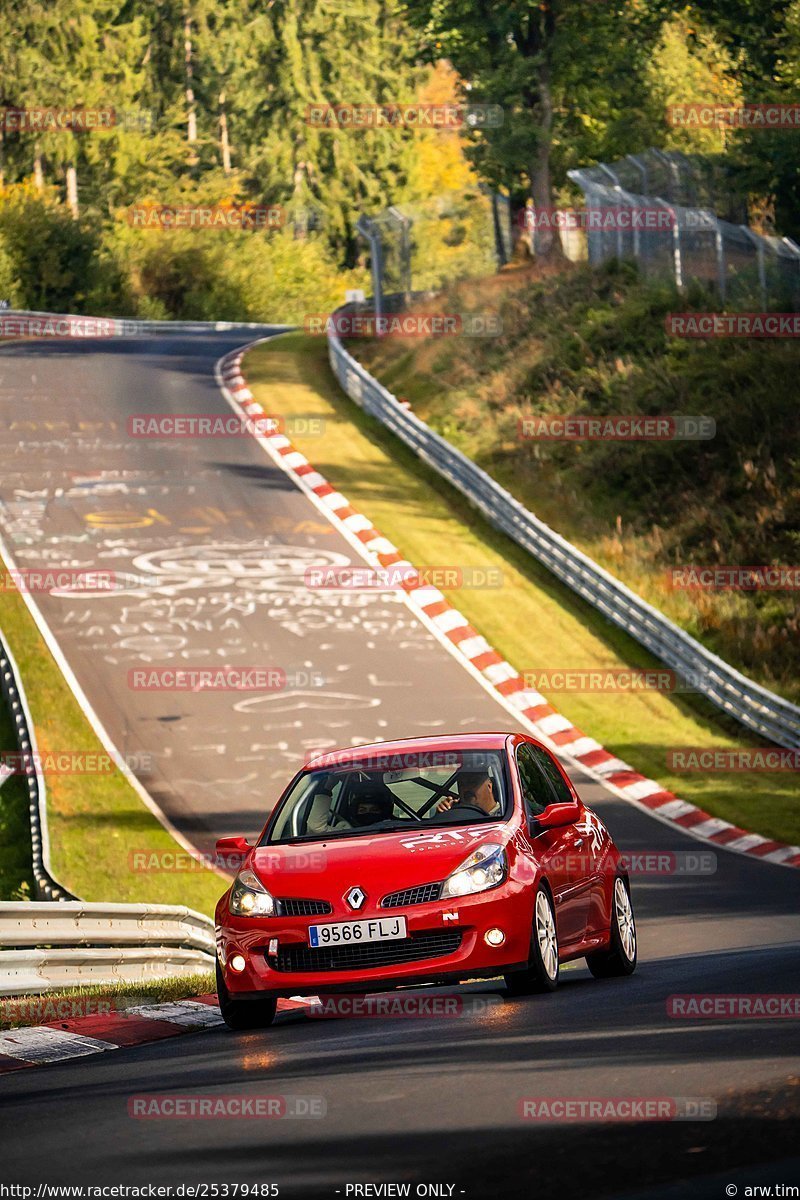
[368, 803]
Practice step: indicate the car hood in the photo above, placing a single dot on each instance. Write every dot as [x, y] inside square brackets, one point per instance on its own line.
[379, 864]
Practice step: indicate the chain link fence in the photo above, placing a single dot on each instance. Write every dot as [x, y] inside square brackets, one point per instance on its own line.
[679, 216]
[662, 210]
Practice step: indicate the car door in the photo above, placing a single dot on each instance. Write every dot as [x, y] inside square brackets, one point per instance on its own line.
[561, 850]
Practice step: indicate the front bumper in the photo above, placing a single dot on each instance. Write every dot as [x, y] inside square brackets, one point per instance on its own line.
[438, 947]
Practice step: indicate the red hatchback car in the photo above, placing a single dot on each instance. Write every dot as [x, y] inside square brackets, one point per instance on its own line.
[421, 861]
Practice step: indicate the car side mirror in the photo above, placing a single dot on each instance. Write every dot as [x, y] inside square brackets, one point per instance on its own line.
[231, 852]
[556, 815]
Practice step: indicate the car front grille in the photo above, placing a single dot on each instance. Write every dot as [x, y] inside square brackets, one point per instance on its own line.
[288, 906]
[433, 944]
[416, 895]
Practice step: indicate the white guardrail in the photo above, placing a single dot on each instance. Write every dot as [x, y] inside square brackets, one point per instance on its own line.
[759, 709]
[69, 942]
[18, 322]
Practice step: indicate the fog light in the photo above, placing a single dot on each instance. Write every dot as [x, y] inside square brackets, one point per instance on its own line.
[237, 963]
[494, 937]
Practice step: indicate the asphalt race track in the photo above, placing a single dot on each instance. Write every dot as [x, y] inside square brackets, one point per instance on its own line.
[418, 1101]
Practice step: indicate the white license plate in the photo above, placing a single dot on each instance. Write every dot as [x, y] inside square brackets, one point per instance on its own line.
[346, 933]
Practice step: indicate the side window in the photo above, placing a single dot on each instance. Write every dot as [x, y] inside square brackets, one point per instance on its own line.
[535, 788]
[563, 794]
[541, 780]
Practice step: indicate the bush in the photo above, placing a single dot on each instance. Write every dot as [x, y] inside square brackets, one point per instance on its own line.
[53, 257]
[228, 276]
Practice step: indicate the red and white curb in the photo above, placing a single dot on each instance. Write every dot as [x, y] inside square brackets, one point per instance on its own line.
[57, 1041]
[497, 676]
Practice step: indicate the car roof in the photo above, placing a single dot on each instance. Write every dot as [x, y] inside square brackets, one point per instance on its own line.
[441, 742]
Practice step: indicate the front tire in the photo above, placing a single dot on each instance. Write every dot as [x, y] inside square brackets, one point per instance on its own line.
[542, 972]
[620, 957]
[244, 1014]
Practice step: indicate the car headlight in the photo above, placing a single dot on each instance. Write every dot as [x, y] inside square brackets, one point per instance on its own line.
[249, 897]
[485, 868]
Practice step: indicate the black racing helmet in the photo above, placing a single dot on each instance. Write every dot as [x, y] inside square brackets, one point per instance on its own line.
[368, 803]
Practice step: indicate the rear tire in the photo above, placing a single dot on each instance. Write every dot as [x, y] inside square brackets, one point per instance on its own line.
[541, 974]
[620, 957]
[244, 1014]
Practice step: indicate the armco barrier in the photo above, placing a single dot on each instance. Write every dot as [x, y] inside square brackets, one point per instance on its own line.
[759, 709]
[77, 327]
[70, 942]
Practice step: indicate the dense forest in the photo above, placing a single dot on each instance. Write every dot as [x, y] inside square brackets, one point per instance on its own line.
[210, 105]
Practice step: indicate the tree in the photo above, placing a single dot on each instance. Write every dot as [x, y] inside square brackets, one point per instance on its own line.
[533, 61]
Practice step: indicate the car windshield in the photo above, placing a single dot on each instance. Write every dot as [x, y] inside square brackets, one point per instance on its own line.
[384, 794]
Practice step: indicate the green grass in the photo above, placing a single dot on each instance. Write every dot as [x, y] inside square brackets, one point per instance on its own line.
[531, 620]
[16, 875]
[594, 342]
[96, 821]
[16, 1011]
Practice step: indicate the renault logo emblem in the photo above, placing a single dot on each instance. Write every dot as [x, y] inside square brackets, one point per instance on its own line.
[355, 897]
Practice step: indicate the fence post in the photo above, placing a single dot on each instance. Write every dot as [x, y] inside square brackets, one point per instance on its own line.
[677, 264]
[719, 242]
[405, 250]
[758, 242]
[370, 231]
[795, 249]
[617, 188]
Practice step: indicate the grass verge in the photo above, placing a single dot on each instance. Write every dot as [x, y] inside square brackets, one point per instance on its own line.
[532, 620]
[96, 821]
[593, 341]
[99, 998]
[16, 875]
